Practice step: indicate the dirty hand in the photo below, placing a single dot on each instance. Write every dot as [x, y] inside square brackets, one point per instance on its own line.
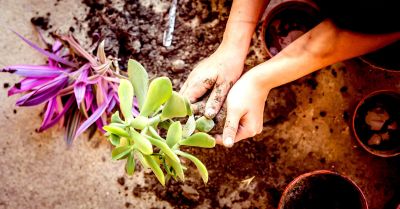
[245, 108]
[216, 73]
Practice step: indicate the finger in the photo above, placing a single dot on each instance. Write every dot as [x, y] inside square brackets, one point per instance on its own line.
[243, 133]
[218, 139]
[183, 88]
[198, 88]
[248, 127]
[216, 99]
[231, 127]
[198, 107]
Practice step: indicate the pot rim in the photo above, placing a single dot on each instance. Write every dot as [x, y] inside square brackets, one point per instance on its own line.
[319, 172]
[273, 10]
[362, 58]
[361, 102]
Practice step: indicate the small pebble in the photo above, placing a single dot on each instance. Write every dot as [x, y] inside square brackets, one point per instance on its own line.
[375, 140]
[392, 126]
[376, 118]
[178, 66]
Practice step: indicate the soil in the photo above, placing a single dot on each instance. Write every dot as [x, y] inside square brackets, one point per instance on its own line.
[136, 32]
[388, 103]
[287, 24]
[328, 191]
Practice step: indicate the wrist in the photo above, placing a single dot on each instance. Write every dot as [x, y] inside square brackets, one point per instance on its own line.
[259, 80]
[237, 37]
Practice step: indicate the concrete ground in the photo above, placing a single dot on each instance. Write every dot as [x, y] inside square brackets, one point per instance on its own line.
[37, 170]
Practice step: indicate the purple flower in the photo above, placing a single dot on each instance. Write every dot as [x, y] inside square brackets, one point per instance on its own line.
[78, 88]
[44, 92]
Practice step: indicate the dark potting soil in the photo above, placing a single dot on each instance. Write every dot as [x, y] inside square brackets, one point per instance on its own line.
[289, 24]
[137, 32]
[386, 58]
[327, 191]
[389, 103]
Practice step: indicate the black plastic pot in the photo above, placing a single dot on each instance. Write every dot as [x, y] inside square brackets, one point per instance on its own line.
[322, 189]
[287, 21]
[387, 103]
[386, 59]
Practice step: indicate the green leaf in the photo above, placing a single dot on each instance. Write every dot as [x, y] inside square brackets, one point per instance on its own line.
[115, 118]
[141, 142]
[155, 167]
[204, 124]
[119, 125]
[123, 142]
[175, 107]
[125, 94]
[164, 124]
[130, 164]
[188, 107]
[153, 133]
[120, 152]
[199, 139]
[140, 122]
[174, 133]
[189, 127]
[160, 91]
[114, 139]
[200, 166]
[177, 168]
[141, 158]
[165, 148]
[139, 79]
[116, 130]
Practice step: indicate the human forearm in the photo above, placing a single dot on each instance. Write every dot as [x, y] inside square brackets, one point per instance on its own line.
[324, 45]
[241, 24]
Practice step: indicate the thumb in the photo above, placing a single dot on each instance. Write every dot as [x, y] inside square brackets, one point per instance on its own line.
[231, 127]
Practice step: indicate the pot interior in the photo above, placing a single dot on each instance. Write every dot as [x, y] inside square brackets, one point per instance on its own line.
[286, 22]
[390, 103]
[323, 190]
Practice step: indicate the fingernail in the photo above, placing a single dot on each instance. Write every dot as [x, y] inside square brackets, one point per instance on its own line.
[210, 113]
[228, 142]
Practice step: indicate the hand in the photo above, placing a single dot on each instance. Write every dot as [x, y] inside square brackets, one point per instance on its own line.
[217, 73]
[245, 108]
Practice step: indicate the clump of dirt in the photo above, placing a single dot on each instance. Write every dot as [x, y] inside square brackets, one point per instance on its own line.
[41, 21]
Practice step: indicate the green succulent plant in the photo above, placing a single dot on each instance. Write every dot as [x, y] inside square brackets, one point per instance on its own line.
[138, 136]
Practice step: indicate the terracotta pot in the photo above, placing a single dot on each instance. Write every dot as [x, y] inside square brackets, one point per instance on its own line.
[389, 101]
[322, 189]
[286, 21]
[386, 59]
